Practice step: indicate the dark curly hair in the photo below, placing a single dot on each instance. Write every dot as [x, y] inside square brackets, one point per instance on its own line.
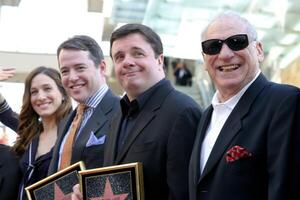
[29, 125]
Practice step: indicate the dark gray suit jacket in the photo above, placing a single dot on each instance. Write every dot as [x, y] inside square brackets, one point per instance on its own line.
[92, 156]
[263, 123]
[161, 140]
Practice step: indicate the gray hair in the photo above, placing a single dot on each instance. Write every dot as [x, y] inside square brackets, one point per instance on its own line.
[251, 31]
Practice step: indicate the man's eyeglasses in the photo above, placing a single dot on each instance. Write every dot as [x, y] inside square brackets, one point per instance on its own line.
[235, 43]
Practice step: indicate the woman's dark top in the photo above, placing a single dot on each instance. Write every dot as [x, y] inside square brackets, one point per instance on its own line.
[33, 169]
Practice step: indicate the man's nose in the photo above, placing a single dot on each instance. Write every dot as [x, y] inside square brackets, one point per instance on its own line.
[128, 61]
[225, 52]
[73, 75]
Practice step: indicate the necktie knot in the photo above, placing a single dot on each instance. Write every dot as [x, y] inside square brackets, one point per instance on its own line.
[67, 149]
[80, 109]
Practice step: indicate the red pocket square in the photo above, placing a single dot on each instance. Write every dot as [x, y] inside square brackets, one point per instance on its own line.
[237, 152]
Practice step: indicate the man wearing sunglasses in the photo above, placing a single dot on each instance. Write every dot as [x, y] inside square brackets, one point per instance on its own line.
[244, 149]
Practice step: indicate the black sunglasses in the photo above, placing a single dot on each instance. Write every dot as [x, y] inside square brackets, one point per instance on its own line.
[235, 43]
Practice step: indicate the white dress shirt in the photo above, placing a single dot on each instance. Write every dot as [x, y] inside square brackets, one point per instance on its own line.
[221, 112]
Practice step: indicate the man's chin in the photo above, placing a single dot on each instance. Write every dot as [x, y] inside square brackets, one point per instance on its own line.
[133, 85]
[78, 98]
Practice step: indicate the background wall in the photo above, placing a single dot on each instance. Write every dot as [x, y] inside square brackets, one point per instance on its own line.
[291, 74]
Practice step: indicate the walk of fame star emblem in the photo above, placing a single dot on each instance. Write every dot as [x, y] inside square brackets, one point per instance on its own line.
[59, 195]
[108, 193]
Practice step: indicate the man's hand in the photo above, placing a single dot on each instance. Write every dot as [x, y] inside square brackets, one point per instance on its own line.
[6, 73]
[76, 195]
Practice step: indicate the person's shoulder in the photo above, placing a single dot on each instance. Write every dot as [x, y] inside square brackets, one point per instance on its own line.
[7, 153]
[277, 93]
[111, 95]
[4, 148]
[181, 99]
[284, 88]
[178, 104]
[110, 102]
[66, 117]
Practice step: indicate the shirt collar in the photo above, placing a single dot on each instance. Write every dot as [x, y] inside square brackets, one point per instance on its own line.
[231, 103]
[138, 103]
[96, 98]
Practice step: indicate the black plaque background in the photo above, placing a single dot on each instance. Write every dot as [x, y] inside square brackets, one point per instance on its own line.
[122, 181]
[66, 179]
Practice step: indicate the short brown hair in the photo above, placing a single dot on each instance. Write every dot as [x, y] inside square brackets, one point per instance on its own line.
[150, 36]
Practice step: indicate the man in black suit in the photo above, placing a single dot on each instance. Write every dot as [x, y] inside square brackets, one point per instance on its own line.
[82, 67]
[157, 124]
[10, 173]
[243, 149]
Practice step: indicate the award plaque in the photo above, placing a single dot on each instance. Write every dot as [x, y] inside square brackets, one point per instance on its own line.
[122, 182]
[58, 186]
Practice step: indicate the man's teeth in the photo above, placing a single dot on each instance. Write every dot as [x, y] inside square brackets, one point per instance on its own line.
[228, 68]
[76, 86]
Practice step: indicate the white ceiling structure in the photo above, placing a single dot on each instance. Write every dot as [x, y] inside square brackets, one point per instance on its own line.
[180, 22]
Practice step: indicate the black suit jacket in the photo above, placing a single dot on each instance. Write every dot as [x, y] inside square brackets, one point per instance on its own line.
[9, 118]
[98, 123]
[162, 140]
[263, 123]
[10, 174]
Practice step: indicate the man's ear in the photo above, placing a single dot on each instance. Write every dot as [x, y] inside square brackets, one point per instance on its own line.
[204, 65]
[160, 59]
[260, 52]
[102, 67]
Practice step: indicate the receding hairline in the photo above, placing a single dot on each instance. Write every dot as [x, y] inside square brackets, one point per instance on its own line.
[250, 29]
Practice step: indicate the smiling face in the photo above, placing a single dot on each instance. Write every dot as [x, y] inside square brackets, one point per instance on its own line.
[80, 77]
[231, 70]
[136, 66]
[45, 96]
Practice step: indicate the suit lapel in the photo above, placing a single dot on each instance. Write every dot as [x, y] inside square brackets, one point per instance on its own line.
[229, 130]
[111, 145]
[233, 124]
[94, 123]
[143, 119]
[145, 116]
[62, 130]
[203, 124]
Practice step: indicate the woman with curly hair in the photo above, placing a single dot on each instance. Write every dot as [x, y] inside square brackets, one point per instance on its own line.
[45, 104]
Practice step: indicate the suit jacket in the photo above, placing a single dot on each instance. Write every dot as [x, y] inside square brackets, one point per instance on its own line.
[263, 123]
[10, 173]
[161, 139]
[98, 124]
